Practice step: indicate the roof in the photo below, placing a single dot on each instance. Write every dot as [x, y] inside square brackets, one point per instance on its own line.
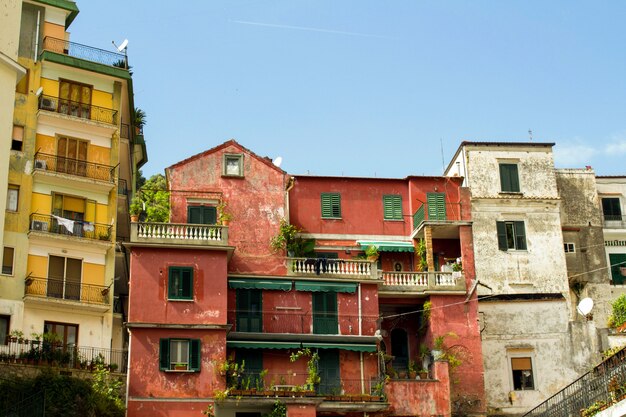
[264, 159]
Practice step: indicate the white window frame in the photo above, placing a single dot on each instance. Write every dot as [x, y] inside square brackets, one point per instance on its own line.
[183, 346]
[232, 156]
[522, 353]
[569, 247]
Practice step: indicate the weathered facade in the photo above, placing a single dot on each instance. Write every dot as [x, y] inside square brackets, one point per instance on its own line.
[252, 306]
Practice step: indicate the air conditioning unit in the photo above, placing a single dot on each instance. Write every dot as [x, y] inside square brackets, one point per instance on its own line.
[39, 226]
[41, 164]
[48, 104]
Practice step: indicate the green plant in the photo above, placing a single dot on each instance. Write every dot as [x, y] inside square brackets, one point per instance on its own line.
[140, 118]
[279, 409]
[457, 266]
[223, 215]
[611, 351]
[618, 313]
[420, 251]
[209, 412]
[106, 386]
[288, 239]
[445, 351]
[313, 377]
[157, 199]
[221, 395]
[412, 367]
[593, 409]
[17, 334]
[136, 206]
[371, 252]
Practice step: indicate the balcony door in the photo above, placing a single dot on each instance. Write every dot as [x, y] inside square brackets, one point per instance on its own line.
[64, 277]
[67, 334]
[74, 99]
[400, 349]
[201, 215]
[325, 313]
[72, 156]
[249, 307]
[328, 369]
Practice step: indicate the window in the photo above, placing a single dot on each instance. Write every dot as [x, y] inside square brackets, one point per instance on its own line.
[232, 165]
[569, 247]
[64, 277]
[17, 138]
[618, 267]
[71, 156]
[522, 370]
[392, 207]
[252, 368]
[249, 307]
[331, 205]
[179, 355]
[611, 209]
[13, 194]
[511, 235]
[509, 179]
[436, 206]
[4, 329]
[180, 283]
[7, 261]
[201, 214]
[67, 333]
[325, 313]
[74, 99]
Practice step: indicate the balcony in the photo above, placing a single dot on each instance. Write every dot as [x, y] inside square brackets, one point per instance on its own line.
[422, 282]
[291, 321]
[88, 53]
[77, 109]
[332, 268]
[612, 221]
[44, 353]
[74, 167]
[444, 217]
[60, 289]
[56, 225]
[179, 234]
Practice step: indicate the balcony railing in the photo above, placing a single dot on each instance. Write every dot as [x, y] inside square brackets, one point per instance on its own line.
[298, 322]
[179, 233]
[38, 352]
[613, 221]
[423, 281]
[335, 268]
[601, 387]
[77, 167]
[122, 187]
[57, 225]
[436, 213]
[77, 109]
[67, 290]
[88, 53]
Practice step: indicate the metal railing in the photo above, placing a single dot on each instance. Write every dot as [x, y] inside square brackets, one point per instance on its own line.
[445, 281]
[436, 213]
[88, 53]
[47, 223]
[182, 233]
[67, 290]
[301, 323]
[613, 221]
[602, 386]
[43, 352]
[122, 187]
[347, 268]
[77, 167]
[77, 109]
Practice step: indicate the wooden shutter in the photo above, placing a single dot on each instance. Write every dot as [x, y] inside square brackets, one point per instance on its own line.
[186, 283]
[509, 178]
[329, 372]
[392, 207]
[331, 205]
[194, 355]
[520, 235]
[172, 282]
[325, 313]
[164, 354]
[436, 206]
[521, 364]
[502, 244]
[201, 215]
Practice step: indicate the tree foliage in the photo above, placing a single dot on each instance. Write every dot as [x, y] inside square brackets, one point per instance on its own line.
[157, 199]
[618, 315]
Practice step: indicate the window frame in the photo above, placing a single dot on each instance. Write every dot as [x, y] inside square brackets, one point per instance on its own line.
[330, 204]
[232, 156]
[608, 211]
[533, 375]
[4, 249]
[569, 247]
[502, 232]
[16, 189]
[175, 295]
[7, 330]
[194, 355]
[512, 185]
[392, 207]
[15, 140]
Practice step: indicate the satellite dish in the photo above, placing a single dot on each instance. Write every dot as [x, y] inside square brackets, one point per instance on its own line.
[585, 306]
[122, 46]
[39, 91]
[277, 161]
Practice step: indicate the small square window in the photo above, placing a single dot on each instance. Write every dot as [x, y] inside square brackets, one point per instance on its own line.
[180, 283]
[522, 370]
[12, 197]
[233, 165]
[569, 247]
[331, 205]
[179, 355]
[18, 138]
[509, 178]
[7, 261]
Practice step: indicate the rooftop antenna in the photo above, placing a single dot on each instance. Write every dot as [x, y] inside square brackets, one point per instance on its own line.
[530, 133]
[123, 47]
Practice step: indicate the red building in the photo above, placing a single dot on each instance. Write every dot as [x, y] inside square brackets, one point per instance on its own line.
[217, 316]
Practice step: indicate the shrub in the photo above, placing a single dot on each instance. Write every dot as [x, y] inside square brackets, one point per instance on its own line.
[618, 315]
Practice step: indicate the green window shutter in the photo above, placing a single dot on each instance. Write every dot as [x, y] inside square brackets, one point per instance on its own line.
[164, 354]
[502, 243]
[392, 207]
[331, 205]
[249, 310]
[325, 313]
[201, 215]
[194, 215]
[180, 283]
[329, 371]
[617, 260]
[520, 236]
[509, 178]
[436, 206]
[194, 355]
[187, 283]
[172, 283]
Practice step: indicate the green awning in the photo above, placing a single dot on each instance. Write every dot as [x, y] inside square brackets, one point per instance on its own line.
[357, 347]
[259, 284]
[325, 286]
[388, 246]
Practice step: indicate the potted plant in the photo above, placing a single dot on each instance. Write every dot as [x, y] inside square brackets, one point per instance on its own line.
[371, 252]
[135, 209]
[288, 239]
[140, 120]
[179, 366]
[223, 216]
[423, 373]
[412, 370]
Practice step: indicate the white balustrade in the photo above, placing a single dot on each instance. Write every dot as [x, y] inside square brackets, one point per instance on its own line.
[427, 280]
[331, 267]
[180, 231]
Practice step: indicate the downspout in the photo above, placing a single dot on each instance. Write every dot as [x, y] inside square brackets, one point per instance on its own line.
[37, 35]
[130, 341]
[362, 374]
[360, 309]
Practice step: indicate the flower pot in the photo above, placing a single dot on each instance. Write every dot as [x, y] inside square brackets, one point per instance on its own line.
[412, 374]
[423, 375]
[134, 218]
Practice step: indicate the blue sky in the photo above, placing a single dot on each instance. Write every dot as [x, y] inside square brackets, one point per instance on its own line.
[372, 88]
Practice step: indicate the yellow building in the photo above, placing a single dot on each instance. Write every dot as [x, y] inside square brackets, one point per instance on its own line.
[76, 156]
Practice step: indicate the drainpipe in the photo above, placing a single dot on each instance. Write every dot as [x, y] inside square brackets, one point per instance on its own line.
[362, 374]
[130, 341]
[37, 35]
[360, 307]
